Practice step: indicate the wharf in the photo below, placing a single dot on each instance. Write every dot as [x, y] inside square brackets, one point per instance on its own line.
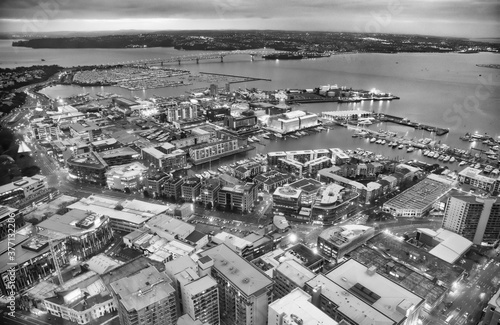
[308, 97]
[406, 122]
[235, 76]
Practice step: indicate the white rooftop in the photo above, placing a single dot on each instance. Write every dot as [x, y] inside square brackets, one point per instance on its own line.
[231, 240]
[392, 304]
[451, 247]
[296, 308]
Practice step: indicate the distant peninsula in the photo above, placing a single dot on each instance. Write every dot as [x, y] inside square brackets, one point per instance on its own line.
[492, 66]
[318, 42]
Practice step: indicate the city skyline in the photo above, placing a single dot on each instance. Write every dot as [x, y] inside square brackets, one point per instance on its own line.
[454, 18]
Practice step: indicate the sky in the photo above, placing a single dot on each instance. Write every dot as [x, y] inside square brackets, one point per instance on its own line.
[456, 18]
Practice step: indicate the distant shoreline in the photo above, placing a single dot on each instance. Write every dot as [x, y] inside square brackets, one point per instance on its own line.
[491, 66]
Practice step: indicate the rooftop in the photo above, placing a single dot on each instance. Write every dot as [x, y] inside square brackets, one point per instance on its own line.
[231, 240]
[420, 195]
[451, 245]
[296, 272]
[296, 308]
[476, 174]
[88, 205]
[124, 151]
[72, 223]
[365, 296]
[162, 224]
[243, 275]
[102, 263]
[142, 289]
[344, 235]
[307, 185]
[288, 192]
[24, 182]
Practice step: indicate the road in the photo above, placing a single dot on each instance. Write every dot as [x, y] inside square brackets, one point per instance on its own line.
[26, 318]
[469, 297]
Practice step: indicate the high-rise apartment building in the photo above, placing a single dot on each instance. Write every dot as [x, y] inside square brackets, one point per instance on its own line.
[145, 298]
[244, 292]
[197, 291]
[475, 218]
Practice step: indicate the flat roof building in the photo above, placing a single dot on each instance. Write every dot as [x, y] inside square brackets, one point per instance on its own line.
[492, 315]
[146, 297]
[297, 308]
[289, 275]
[337, 241]
[475, 178]
[445, 244]
[416, 201]
[360, 295]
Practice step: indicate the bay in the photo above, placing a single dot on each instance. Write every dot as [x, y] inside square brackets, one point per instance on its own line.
[443, 90]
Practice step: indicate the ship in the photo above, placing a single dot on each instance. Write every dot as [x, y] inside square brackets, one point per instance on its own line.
[283, 56]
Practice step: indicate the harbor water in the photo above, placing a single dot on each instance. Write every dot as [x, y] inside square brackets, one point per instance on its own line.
[442, 90]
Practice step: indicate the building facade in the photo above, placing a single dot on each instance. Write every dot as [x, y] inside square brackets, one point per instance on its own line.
[475, 218]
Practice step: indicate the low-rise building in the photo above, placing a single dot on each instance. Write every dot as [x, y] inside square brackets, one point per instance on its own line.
[83, 300]
[85, 234]
[209, 192]
[418, 199]
[155, 184]
[190, 189]
[87, 167]
[297, 308]
[475, 178]
[123, 177]
[214, 150]
[270, 180]
[24, 188]
[239, 198]
[287, 200]
[356, 294]
[10, 221]
[333, 203]
[337, 241]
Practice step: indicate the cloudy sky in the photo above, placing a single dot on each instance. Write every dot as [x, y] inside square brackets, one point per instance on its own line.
[461, 18]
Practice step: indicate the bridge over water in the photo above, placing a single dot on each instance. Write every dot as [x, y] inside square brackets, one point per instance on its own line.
[204, 56]
[199, 57]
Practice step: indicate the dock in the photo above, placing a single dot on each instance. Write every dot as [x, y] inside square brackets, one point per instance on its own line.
[407, 122]
[246, 79]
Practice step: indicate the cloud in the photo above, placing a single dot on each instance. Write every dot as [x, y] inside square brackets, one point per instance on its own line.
[454, 16]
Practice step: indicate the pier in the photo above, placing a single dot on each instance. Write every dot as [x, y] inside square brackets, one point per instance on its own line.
[235, 76]
[407, 122]
[346, 115]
